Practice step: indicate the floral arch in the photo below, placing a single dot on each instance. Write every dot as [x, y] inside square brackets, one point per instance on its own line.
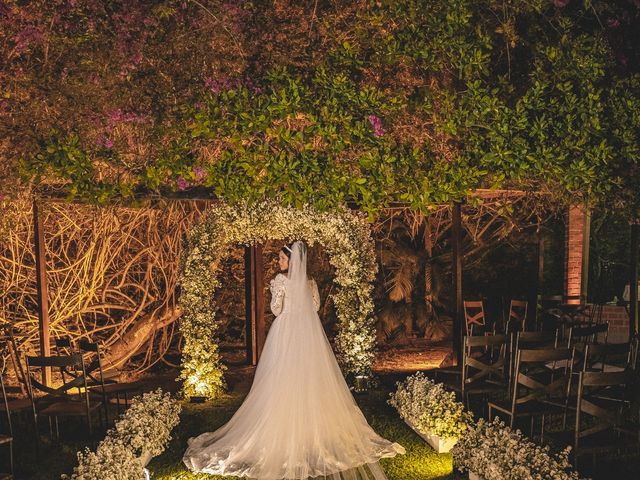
[346, 237]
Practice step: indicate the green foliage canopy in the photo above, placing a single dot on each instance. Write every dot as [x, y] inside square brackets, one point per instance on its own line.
[418, 101]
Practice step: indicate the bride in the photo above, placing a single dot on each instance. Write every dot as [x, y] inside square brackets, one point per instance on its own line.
[299, 419]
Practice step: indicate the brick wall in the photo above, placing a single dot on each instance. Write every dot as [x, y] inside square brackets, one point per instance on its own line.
[618, 323]
[574, 250]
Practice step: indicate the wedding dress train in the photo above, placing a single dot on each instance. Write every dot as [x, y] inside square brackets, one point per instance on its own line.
[299, 419]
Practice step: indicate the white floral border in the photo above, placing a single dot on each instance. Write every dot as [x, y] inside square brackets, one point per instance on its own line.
[346, 237]
[141, 433]
[430, 408]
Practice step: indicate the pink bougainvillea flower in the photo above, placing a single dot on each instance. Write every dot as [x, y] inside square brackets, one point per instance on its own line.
[613, 23]
[119, 116]
[104, 142]
[199, 173]
[223, 84]
[182, 183]
[26, 37]
[376, 124]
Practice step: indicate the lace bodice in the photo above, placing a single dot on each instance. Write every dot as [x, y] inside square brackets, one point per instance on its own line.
[278, 290]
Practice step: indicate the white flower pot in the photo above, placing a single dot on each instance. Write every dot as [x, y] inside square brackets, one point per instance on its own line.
[474, 476]
[439, 444]
[145, 458]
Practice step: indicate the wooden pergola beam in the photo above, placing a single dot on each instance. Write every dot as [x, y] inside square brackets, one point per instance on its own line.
[633, 279]
[42, 291]
[456, 243]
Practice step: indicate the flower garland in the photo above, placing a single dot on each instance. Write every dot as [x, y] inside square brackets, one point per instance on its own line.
[142, 432]
[430, 408]
[494, 451]
[347, 239]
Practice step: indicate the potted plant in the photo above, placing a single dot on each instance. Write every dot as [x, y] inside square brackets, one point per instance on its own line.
[493, 451]
[431, 411]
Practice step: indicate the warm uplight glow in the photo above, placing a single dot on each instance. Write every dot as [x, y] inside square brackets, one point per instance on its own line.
[199, 386]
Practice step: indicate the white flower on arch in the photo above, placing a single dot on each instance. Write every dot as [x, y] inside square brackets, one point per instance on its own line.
[344, 234]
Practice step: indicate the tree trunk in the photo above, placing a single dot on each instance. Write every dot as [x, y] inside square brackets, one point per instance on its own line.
[136, 338]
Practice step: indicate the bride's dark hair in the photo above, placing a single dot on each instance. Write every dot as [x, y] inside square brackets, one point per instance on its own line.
[287, 249]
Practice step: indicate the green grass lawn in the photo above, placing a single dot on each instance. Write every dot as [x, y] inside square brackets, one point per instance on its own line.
[56, 458]
[419, 463]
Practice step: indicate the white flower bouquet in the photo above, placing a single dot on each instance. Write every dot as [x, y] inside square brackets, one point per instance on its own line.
[142, 432]
[493, 451]
[430, 409]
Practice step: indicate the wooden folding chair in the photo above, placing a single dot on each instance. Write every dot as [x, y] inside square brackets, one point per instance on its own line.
[64, 346]
[529, 341]
[602, 425]
[635, 347]
[483, 366]
[9, 348]
[588, 334]
[66, 403]
[108, 388]
[607, 357]
[549, 313]
[517, 319]
[7, 439]
[536, 391]
[474, 318]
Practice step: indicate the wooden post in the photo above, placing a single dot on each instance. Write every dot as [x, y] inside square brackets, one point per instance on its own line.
[456, 243]
[540, 279]
[250, 319]
[258, 282]
[633, 279]
[254, 303]
[42, 291]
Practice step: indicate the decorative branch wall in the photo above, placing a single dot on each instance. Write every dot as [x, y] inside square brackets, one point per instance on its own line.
[112, 274]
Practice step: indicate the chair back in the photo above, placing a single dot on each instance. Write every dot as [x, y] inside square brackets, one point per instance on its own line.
[588, 334]
[531, 341]
[489, 365]
[600, 356]
[516, 322]
[534, 381]
[549, 312]
[595, 414]
[63, 347]
[473, 316]
[63, 343]
[8, 347]
[595, 313]
[86, 346]
[5, 401]
[71, 364]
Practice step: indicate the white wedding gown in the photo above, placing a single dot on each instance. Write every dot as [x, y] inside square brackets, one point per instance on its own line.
[299, 420]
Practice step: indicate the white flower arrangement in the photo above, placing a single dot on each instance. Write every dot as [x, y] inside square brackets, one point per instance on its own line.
[142, 432]
[429, 408]
[494, 451]
[347, 239]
